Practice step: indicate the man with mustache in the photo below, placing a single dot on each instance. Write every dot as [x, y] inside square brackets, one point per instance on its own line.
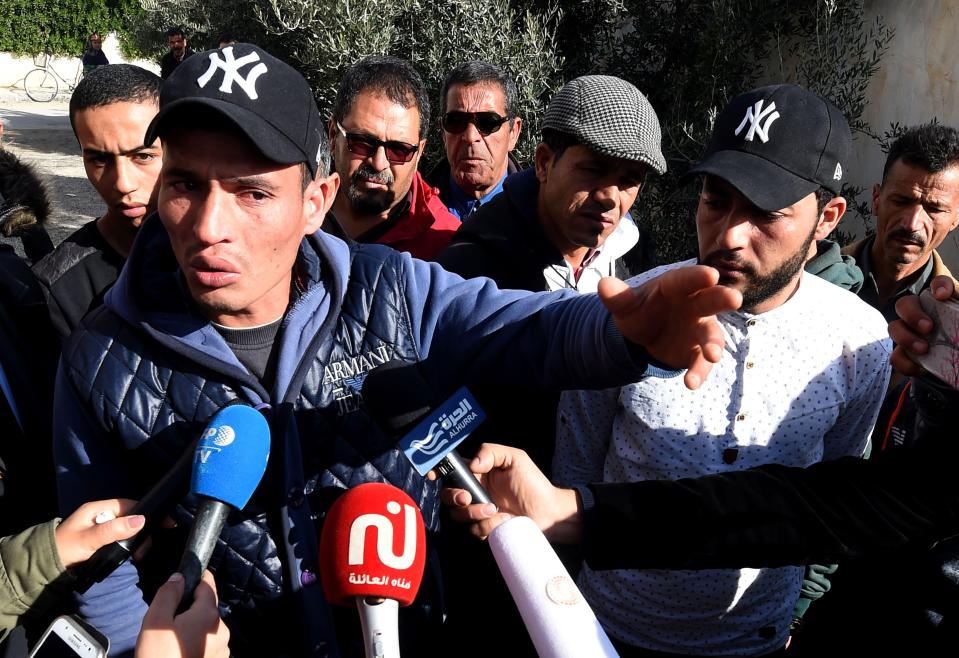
[378, 133]
[916, 206]
[110, 111]
[800, 381]
[179, 51]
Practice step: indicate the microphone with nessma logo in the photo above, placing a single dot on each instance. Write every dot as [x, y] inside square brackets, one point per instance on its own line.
[228, 464]
[372, 552]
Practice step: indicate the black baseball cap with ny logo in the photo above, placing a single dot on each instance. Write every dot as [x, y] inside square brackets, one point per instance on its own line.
[267, 99]
[778, 144]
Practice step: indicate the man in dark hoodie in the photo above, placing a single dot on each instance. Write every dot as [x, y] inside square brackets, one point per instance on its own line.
[231, 293]
[110, 111]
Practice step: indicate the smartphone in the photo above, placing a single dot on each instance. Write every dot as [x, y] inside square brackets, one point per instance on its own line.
[942, 359]
[68, 637]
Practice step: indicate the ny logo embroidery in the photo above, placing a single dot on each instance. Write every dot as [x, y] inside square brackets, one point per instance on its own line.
[231, 72]
[759, 121]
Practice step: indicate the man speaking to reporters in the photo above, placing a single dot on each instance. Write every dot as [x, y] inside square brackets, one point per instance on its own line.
[231, 293]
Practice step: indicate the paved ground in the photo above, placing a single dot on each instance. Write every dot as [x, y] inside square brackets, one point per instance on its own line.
[40, 134]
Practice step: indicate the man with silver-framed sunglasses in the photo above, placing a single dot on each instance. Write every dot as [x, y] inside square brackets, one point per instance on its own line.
[378, 134]
[480, 127]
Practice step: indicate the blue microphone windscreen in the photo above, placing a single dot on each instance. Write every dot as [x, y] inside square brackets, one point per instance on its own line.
[231, 456]
[440, 432]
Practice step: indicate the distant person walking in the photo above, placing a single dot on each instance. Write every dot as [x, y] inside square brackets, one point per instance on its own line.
[179, 51]
[93, 55]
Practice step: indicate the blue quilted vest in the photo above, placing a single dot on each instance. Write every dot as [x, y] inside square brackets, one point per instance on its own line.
[153, 401]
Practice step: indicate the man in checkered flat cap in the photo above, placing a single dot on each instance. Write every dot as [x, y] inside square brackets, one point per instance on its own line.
[800, 381]
[564, 223]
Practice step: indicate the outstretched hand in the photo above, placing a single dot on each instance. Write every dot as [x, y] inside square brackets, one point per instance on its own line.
[674, 317]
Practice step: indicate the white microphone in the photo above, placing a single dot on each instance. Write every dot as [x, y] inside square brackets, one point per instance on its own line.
[560, 622]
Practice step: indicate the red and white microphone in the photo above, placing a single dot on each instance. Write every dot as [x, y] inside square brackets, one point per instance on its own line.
[373, 551]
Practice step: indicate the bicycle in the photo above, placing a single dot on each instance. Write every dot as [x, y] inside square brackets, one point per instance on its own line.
[41, 83]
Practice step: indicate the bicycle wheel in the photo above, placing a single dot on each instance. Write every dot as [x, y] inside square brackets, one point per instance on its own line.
[40, 85]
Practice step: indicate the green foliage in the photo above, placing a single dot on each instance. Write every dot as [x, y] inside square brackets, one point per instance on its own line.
[29, 27]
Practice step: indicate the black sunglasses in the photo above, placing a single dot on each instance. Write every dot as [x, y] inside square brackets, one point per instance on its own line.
[366, 146]
[486, 122]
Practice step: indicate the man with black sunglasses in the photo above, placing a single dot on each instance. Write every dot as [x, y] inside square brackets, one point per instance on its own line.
[378, 133]
[480, 128]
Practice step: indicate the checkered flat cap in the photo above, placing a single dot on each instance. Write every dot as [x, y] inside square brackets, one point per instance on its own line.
[610, 116]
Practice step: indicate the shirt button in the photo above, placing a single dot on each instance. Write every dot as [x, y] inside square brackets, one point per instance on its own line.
[741, 417]
[750, 364]
[750, 323]
[307, 577]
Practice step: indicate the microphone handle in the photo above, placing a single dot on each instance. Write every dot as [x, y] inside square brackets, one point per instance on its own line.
[455, 469]
[380, 623]
[209, 521]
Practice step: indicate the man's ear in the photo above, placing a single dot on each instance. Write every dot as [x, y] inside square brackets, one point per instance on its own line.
[543, 159]
[331, 131]
[515, 130]
[830, 216]
[318, 199]
[876, 191]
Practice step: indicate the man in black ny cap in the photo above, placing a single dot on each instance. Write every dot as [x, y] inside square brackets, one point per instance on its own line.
[800, 381]
[231, 294]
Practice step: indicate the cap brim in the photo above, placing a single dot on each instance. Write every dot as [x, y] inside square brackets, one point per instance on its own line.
[767, 185]
[272, 143]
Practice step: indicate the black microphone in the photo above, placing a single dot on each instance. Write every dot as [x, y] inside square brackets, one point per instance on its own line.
[398, 397]
[229, 462]
[155, 505]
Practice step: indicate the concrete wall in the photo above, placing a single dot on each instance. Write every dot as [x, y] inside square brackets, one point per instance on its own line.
[918, 80]
[13, 69]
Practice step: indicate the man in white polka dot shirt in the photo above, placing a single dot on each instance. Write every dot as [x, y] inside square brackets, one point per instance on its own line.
[801, 378]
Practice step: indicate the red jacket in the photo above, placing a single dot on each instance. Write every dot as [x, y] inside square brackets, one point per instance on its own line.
[428, 227]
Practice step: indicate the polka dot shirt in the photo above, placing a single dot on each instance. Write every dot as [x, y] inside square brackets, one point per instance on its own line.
[796, 385]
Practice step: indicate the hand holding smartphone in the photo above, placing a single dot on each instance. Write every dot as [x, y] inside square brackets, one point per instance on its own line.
[942, 359]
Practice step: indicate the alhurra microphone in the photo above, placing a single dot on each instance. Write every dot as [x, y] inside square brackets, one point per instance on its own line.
[397, 396]
[372, 551]
[228, 463]
[560, 622]
[154, 505]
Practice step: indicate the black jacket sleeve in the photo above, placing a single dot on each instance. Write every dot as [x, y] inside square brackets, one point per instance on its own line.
[775, 515]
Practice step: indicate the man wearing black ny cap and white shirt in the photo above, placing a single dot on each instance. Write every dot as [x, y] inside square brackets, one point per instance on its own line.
[800, 380]
[231, 293]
